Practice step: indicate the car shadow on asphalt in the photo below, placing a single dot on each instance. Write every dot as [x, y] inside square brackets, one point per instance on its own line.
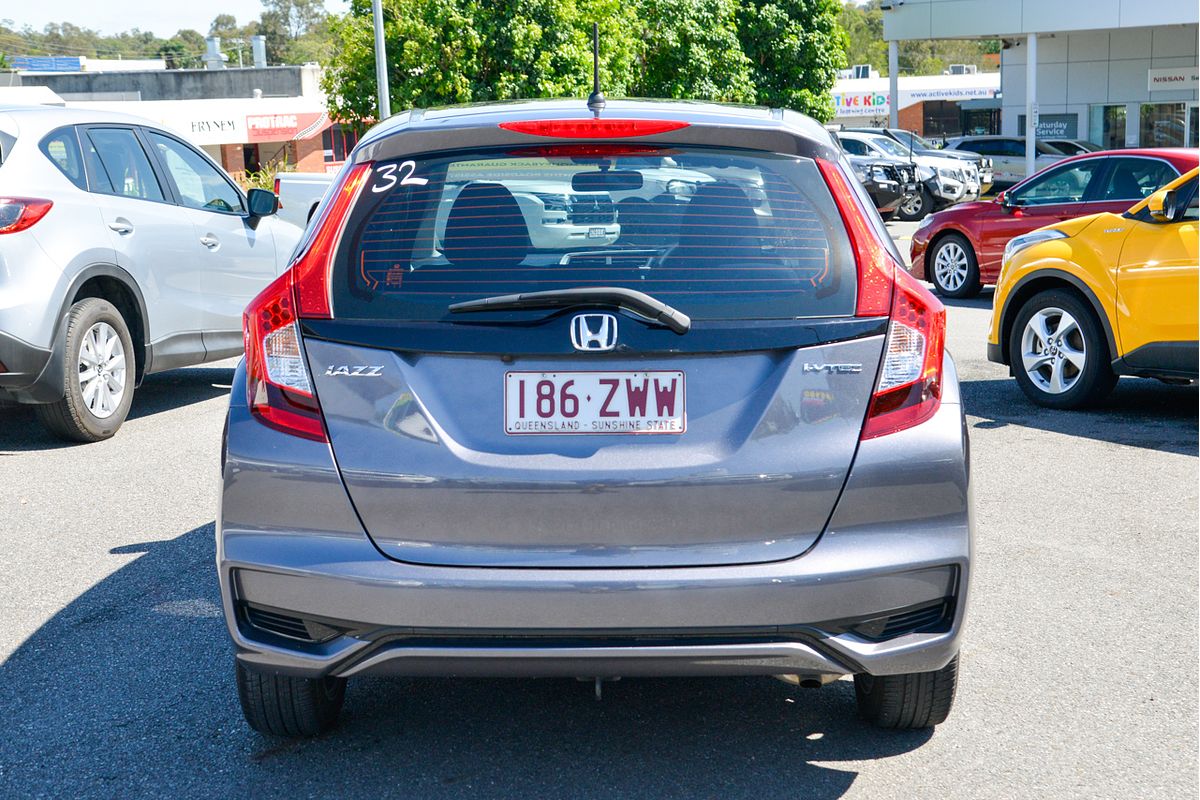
[982, 300]
[129, 690]
[163, 391]
[1140, 412]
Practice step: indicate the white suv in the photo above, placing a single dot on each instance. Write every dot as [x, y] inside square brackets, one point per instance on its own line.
[123, 251]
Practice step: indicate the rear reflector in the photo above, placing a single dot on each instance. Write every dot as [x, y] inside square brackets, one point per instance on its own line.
[19, 213]
[594, 128]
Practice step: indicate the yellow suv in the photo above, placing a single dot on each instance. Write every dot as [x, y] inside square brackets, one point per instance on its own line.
[1084, 301]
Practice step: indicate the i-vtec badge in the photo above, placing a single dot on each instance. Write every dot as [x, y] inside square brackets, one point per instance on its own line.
[833, 369]
[354, 371]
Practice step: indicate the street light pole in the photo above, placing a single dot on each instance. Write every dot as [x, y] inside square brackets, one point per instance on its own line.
[381, 80]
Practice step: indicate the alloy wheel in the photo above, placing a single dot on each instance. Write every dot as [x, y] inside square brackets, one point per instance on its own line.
[102, 374]
[1053, 350]
[950, 266]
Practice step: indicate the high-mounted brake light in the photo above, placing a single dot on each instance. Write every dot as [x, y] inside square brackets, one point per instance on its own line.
[280, 391]
[909, 389]
[594, 128]
[19, 213]
[598, 150]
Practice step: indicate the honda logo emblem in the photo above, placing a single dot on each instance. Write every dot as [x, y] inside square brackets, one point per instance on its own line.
[594, 332]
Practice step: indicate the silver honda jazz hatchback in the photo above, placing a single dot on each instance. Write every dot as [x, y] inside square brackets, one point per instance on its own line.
[554, 393]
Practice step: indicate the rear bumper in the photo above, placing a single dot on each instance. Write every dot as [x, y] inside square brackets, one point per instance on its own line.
[887, 550]
[22, 362]
[29, 374]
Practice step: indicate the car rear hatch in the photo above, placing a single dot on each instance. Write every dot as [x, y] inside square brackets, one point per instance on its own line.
[587, 430]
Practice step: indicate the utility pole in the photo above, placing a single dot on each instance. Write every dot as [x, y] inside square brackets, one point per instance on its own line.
[381, 80]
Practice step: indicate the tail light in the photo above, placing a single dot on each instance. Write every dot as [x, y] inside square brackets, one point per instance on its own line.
[280, 390]
[277, 382]
[275, 189]
[910, 381]
[909, 389]
[19, 213]
[594, 128]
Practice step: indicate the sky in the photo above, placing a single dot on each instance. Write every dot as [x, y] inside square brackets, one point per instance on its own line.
[162, 17]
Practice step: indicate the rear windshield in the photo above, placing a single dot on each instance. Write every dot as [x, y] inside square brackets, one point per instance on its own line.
[718, 234]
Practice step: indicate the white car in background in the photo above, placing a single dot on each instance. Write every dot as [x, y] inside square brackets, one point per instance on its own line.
[942, 181]
[299, 195]
[124, 251]
[557, 217]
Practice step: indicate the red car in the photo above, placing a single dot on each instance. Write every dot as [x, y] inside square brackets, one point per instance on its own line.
[960, 248]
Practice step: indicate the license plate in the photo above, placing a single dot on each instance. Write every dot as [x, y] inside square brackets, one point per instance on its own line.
[597, 233]
[594, 402]
[910, 188]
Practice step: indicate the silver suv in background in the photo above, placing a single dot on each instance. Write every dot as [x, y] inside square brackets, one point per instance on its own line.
[124, 251]
[728, 442]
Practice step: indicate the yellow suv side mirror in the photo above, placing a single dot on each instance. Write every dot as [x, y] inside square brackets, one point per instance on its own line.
[1163, 205]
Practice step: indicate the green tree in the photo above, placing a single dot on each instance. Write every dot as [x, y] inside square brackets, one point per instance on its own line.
[796, 48]
[864, 27]
[459, 51]
[864, 32]
[690, 49]
[780, 52]
[296, 30]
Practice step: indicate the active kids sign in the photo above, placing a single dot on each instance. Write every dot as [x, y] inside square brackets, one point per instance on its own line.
[860, 104]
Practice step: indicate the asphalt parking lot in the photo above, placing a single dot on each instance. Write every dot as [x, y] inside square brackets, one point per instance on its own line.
[1078, 677]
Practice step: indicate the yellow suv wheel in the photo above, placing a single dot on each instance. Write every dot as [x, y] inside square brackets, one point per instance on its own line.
[1058, 352]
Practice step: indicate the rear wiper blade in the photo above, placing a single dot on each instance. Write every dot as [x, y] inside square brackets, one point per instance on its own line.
[641, 304]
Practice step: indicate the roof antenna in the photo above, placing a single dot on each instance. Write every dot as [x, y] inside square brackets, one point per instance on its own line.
[596, 101]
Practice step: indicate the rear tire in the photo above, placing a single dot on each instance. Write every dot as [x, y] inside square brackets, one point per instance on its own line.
[284, 705]
[909, 701]
[917, 208]
[1077, 367]
[98, 345]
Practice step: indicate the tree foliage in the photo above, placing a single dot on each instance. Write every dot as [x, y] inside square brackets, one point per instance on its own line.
[864, 28]
[297, 31]
[771, 52]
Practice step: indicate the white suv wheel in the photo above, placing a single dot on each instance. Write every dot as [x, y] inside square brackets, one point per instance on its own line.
[102, 370]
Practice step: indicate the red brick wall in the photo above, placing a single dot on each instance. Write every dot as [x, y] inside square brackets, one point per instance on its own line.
[233, 161]
[309, 155]
[912, 118]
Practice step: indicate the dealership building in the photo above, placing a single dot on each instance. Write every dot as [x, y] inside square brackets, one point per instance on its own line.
[1119, 73]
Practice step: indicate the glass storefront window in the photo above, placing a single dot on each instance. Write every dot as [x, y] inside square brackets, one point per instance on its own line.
[1107, 126]
[1163, 125]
